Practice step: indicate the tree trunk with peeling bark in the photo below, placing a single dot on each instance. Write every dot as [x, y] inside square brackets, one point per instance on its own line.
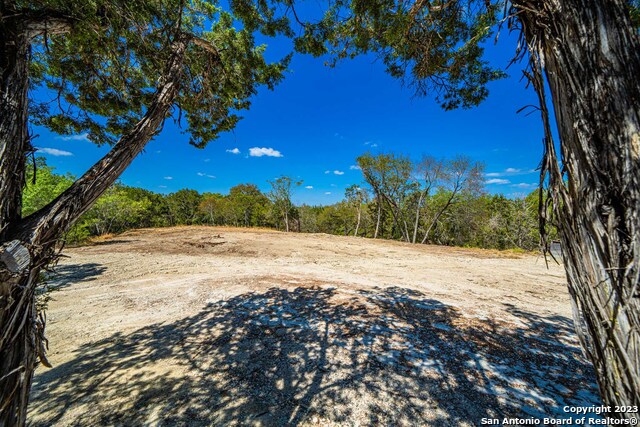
[378, 217]
[590, 54]
[21, 330]
[17, 314]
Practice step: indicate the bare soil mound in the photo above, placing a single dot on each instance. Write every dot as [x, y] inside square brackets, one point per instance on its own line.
[218, 326]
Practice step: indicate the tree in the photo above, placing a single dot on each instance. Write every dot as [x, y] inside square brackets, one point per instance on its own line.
[280, 196]
[211, 206]
[183, 207]
[249, 204]
[336, 219]
[356, 196]
[431, 171]
[396, 190]
[115, 211]
[455, 178]
[588, 52]
[42, 186]
[116, 70]
[375, 170]
[309, 218]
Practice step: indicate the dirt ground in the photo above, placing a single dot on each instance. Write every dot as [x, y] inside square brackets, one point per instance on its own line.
[219, 326]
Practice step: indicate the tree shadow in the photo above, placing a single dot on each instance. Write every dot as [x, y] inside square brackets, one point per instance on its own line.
[318, 355]
[68, 274]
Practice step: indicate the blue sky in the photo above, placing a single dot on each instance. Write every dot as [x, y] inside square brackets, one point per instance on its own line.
[319, 119]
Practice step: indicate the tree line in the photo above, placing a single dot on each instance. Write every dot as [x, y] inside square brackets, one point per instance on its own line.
[438, 201]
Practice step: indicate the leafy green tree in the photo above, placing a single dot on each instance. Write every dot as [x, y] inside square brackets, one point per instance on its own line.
[356, 196]
[522, 221]
[397, 190]
[183, 207]
[337, 219]
[42, 186]
[155, 210]
[115, 70]
[280, 196]
[249, 204]
[495, 230]
[211, 207]
[309, 218]
[376, 171]
[458, 178]
[429, 174]
[116, 211]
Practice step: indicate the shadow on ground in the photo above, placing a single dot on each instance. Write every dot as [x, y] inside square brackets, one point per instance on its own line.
[64, 275]
[68, 274]
[315, 355]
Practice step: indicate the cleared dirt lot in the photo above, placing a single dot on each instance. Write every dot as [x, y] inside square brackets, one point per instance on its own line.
[217, 326]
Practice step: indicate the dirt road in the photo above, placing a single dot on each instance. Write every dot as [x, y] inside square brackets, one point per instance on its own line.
[217, 326]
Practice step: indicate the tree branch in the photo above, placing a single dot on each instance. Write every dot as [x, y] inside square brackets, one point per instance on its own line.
[42, 22]
[48, 25]
[49, 223]
[204, 44]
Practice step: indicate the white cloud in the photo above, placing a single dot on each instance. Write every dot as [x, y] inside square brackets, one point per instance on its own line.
[333, 185]
[374, 145]
[55, 152]
[234, 151]
[327, 192]
[511, 172]
[162, 186]
[355, 168]
[81, 137]
[497, 181]
[168, 177]
[263, 151]
[206, 175]
[524, 185]
[336, 172]
[327, 172]
[206, 160]
[309, 187]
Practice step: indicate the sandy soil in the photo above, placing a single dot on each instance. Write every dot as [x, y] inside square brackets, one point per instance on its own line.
[218, 326]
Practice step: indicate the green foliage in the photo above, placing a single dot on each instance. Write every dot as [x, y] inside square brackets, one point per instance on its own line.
[211, 208]
[183, 207]
[634, 12]
[280, 196]
[42, 187]
[473, 219]
[250, 206]
[244, 206]
[104, 71]
[435, 44]
[337, 219]
[309, 218]
[117, 210]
